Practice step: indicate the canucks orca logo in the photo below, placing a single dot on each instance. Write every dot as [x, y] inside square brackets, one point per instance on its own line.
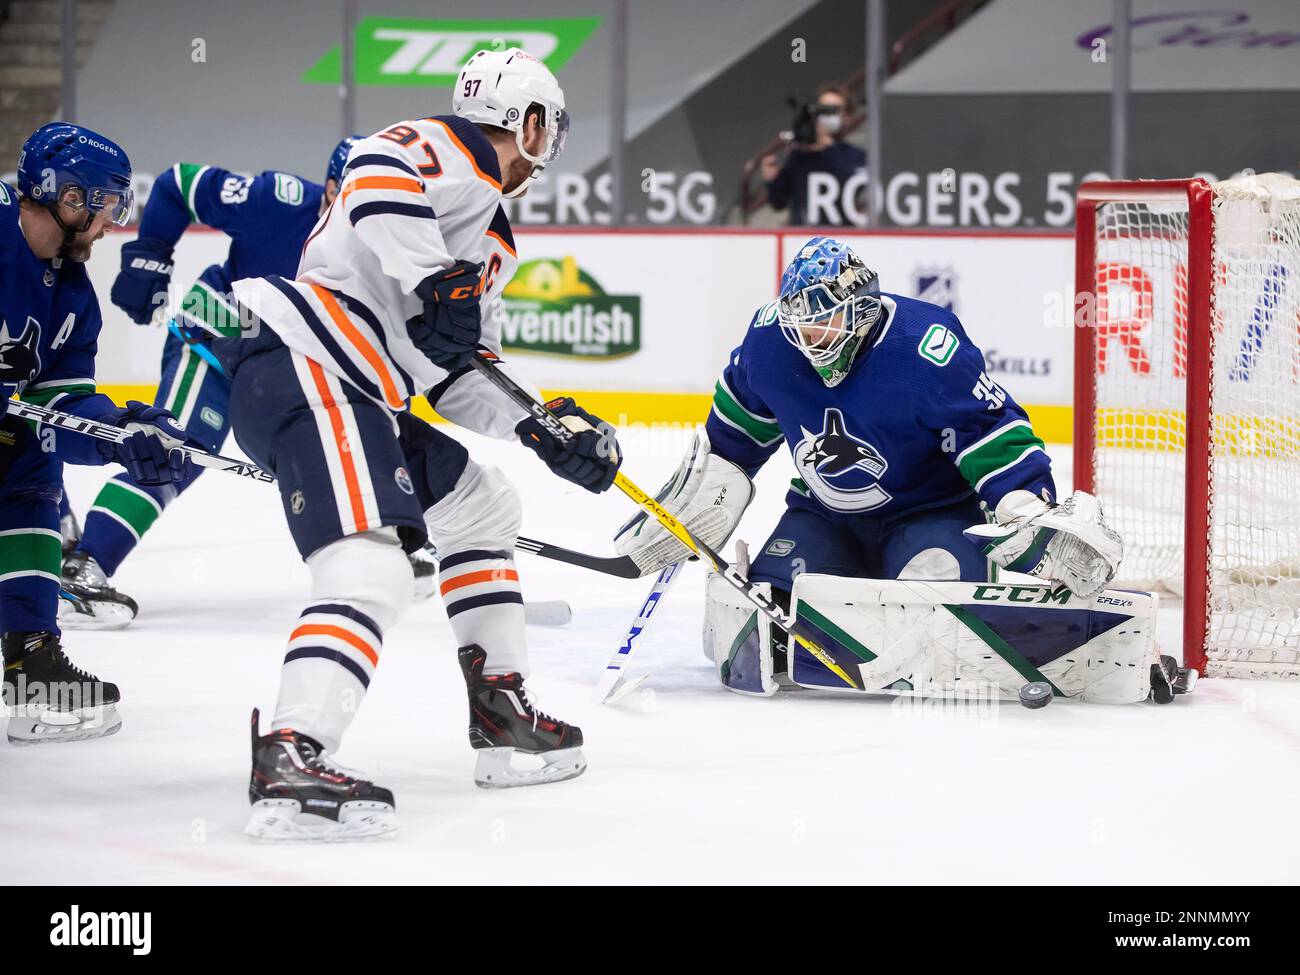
[841, 470]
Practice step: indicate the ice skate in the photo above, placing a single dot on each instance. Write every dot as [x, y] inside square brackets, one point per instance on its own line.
[425, 567]
[298, 795]
[69, 533]
[87, 601]
[49, 698]
[516, 744]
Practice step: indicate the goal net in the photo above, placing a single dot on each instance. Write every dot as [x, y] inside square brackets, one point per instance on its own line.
[1187, 403]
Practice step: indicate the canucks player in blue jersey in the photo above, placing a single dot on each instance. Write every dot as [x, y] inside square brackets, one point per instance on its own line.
[903, 444]
[267, 217]
[73, 184]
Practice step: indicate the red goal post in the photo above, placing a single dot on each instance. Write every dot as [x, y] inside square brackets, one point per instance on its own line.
[1182, 288]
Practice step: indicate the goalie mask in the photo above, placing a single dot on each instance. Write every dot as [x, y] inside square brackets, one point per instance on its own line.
[829, 302]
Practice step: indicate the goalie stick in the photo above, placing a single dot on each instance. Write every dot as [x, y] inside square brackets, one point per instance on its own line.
[612, 685]
[485, 363]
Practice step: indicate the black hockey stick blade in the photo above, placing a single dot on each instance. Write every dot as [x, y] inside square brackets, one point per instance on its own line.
[621, 566]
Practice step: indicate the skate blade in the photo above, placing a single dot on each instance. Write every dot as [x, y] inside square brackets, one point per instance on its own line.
[283, 821]
[44, 726]
[509, 768]
[94, 615]
[424, 587]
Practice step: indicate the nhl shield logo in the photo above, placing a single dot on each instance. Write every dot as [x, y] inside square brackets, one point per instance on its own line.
[937, 285]
[843, 471]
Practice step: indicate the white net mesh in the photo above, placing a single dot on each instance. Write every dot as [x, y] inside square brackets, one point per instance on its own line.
[1140, 369]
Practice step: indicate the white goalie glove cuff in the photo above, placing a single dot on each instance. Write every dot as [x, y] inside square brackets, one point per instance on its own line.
[707, 494]
[1069, 543]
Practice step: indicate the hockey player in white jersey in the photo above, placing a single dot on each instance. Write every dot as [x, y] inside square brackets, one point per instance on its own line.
[391, 299]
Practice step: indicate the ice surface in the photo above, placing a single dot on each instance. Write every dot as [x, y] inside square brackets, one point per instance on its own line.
[687, 784]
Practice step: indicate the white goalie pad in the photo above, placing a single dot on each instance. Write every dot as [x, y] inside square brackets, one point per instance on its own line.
[707, 494]
[950, 638]
[738, 639]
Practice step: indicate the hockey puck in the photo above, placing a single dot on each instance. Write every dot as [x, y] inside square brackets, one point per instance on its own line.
[1036, 694]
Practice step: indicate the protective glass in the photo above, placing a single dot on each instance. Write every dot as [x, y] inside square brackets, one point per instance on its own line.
[116, 202]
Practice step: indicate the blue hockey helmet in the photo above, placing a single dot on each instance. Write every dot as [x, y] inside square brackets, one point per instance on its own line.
[70, 164]
[829, 301]
[339, 158]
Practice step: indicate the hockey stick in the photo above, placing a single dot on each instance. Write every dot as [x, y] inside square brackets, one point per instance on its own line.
[621, 566]
[485, 363]
[201, 350]
[607, 688]
[555, 613]
[104, 431]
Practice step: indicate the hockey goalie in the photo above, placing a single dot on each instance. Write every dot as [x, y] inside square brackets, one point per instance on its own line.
[919, 478]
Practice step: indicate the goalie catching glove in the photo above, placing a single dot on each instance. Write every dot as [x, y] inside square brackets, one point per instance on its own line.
[708, 494]
[1067, 543]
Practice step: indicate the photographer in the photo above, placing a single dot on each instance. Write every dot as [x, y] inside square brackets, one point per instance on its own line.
[818, 148]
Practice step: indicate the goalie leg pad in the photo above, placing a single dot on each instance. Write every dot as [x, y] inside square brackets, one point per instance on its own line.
[707, 494]
[956, 637]
[738, 639]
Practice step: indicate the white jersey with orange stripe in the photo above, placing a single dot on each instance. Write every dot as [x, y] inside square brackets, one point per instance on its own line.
[415, 198]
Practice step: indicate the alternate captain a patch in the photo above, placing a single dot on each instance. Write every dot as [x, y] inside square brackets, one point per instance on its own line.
[843, 471]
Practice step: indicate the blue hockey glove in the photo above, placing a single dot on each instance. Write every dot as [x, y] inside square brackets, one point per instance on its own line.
[148, 454]
[590, 459]
[141, 286]
[17, 361]
[449, 328]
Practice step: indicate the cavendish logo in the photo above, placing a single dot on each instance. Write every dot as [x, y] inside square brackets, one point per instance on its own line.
[554, 307]
[841, 470]
[430, 53]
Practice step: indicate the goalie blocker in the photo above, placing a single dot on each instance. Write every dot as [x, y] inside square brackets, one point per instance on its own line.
[947, 638]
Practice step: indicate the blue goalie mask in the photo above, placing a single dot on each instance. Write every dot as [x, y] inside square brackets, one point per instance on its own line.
[829, 301]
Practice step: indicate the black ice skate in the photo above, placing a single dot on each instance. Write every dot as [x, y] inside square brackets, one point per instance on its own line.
[425, 568]
[87, 601]
[69, 532]
[503, 725]
[298, 795]
[49, 698]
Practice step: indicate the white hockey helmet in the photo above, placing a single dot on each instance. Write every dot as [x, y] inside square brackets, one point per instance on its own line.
[498, 87]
